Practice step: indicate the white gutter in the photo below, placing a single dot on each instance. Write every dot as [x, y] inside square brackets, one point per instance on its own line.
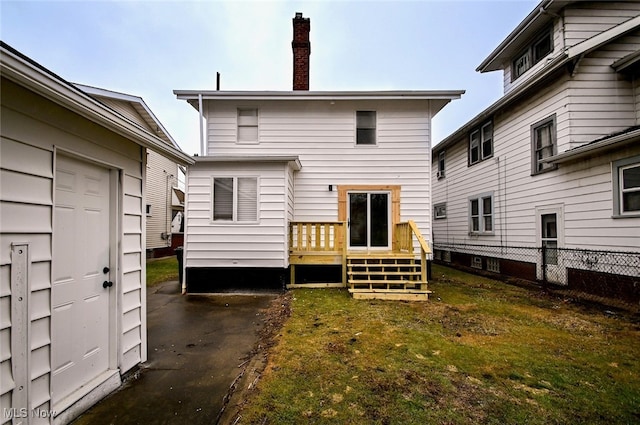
[294, 161]
[318, 95]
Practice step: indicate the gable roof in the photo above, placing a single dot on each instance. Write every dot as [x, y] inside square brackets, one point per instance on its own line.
[27, 73]
[136, 103]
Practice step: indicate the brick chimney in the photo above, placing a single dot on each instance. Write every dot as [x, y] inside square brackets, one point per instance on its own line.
[301, 52]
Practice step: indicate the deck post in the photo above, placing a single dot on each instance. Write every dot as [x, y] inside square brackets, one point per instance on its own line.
[345, 242]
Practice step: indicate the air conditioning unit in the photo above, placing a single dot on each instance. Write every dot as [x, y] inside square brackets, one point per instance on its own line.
[440, 174]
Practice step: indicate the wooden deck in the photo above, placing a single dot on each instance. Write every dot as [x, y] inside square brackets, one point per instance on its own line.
[399, 274]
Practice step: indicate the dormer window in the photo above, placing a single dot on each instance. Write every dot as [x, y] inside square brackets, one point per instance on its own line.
[533, 53]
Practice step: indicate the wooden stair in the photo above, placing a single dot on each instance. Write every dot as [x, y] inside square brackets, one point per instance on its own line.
[389, 276]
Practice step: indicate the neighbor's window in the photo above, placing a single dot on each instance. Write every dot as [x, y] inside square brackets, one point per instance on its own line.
[481, 214]
[626, 187]
[481, 143]
[544, 145]
[235, 199]
[148, 209]
[533, 53]
[247, 125]
[441, 157]
[366, 127]
[440, 211]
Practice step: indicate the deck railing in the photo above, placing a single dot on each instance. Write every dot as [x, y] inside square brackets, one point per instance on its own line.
[404, 233]
[316, 236]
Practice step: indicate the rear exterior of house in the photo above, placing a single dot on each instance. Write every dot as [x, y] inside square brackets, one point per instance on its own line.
[290, 181]
[72, 263]
[544, 184]
[274, 159]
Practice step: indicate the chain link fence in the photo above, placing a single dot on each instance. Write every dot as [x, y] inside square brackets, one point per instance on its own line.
[609, 274]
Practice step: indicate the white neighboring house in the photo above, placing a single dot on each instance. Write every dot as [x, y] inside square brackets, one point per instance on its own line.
[288, 172]
[555, 162]
[72, 236]
[164, 196]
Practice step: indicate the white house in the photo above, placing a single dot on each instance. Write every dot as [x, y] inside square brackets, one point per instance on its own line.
[72, 242]
[164, 197]
[304, 177]
[554, 164]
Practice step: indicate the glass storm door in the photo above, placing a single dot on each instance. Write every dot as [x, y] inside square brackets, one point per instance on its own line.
[369, 225]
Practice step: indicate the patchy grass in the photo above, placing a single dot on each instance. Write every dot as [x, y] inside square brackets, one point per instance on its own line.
[480, 351]
[161, 270]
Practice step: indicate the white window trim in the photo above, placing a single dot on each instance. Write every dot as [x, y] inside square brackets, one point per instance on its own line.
[554, 143]
[480, 143]
[355, 131]
[234, 219]
[616, 176]
[435, 209]
[257, 126]
[481, 214]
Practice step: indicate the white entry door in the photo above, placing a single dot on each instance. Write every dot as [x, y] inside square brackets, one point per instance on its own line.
[81, 276]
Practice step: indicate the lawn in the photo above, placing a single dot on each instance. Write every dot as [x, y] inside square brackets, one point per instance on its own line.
[480, 351]
[161, 270]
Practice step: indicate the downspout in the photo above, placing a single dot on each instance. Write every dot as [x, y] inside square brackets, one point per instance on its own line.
[201, 123]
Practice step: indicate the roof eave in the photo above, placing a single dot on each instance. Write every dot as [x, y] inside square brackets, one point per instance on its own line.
[318, 95]
[594, 148]
[292, 160]
[38, 79]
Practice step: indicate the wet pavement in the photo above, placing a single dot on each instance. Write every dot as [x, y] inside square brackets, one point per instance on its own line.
[197, 346]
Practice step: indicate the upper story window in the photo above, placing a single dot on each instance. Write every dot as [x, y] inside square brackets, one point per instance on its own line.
[543, 144]
[481, 214]
[626, 187]
[248, 125]
[441, 157]
[235, 199]
[481, 143]
[533, 53]
[366, 127]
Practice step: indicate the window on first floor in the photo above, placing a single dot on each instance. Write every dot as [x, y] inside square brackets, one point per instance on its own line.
[543, 144]
[148, 209]
[440, 211]
[626, 187]
[235, 199]
[481, 214]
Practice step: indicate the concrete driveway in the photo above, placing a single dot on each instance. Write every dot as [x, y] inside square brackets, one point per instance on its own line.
[197, 346]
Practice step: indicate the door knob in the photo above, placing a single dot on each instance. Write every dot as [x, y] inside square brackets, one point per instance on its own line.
[107, 284]
[105, 270]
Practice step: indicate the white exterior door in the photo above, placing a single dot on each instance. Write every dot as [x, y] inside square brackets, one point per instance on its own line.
[550, 238]
[369, 220]
[81, 276]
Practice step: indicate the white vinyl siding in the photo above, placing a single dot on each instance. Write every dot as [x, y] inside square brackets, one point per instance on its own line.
[255, 243]
[161, 178]
[27, 163]
[595, 102]
[322, 136]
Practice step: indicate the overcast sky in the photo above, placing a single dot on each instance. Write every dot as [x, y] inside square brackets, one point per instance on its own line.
[150, 48]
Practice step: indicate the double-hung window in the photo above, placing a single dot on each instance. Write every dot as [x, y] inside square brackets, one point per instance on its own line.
[481, 143]
[235, 199]
[247, 125]
[365, 127]
[481, 214]
[544, 145]
[626, 187]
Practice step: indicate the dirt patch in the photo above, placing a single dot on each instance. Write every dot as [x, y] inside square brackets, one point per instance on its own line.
[252, 367]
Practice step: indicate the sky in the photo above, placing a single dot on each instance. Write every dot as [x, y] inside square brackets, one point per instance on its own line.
[149, 48]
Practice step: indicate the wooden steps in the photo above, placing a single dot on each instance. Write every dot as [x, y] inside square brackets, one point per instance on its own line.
[384, 275]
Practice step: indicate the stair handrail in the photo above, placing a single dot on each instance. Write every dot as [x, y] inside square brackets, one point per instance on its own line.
[423, 243]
